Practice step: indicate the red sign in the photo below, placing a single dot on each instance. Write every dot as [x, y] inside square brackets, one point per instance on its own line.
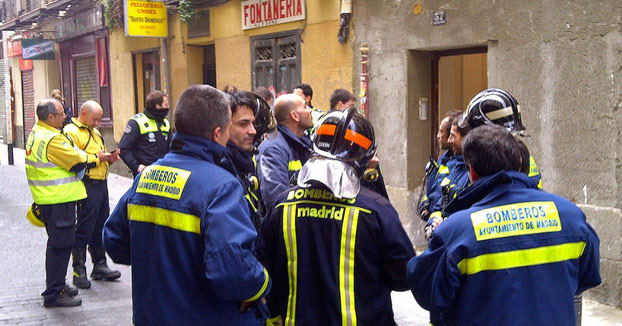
[25, 64]
[14, 48]
[260, 13]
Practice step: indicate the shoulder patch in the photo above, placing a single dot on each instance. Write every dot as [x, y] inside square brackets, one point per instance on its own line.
[128, 129]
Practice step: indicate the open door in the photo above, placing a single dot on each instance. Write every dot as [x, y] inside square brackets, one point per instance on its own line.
[457, 75]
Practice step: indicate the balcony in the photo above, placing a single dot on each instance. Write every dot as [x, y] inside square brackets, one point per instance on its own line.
[13, 17]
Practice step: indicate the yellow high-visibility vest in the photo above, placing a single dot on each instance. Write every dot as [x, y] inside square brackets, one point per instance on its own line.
[49, 183]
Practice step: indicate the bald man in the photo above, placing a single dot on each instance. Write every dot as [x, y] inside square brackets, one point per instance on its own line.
[283, 154]
[93, 210]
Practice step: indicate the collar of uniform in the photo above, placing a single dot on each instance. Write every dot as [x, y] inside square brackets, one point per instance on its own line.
[78, 123]
[240, 158]
[445, 157]
[488, 188]
[47, 126]
[292, 139]
[200, 147]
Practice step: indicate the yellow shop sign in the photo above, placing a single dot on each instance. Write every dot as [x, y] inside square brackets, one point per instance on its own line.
[145, 18]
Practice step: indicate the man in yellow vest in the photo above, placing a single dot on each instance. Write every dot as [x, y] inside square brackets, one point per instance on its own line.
[146, 137]
[53, 168]
[94, 209]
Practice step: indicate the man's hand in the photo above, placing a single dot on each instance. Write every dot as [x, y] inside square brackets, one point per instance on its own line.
[436, 222]
[140, 168]
[105, 157]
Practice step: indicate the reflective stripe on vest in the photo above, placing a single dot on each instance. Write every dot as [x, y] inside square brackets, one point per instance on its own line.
[146, 125]
[49, 183]
[294, 165]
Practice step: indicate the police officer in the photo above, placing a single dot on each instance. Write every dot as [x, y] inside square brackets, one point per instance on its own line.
[146, 137]
[53, 167]
[282, 154]
[184, 227]
[93, 210]
[496, 106]
[335, 249]
[245, 107]
[509, 254]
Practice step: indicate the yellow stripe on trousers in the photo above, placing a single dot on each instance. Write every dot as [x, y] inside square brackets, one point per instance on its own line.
[289, 235]
[346, 266]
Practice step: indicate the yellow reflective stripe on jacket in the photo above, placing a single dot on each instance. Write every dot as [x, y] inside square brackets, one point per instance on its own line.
[294, 165]
[54, 182]
[521, 258]
[145, 124]
[443, 169]
[533, 168]
[346, 266]
[164, 217]
[291, 248]
[263, 287]
[40, 164]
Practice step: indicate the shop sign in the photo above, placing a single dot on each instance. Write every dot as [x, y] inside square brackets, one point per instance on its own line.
[260, 13]
[38, 49]
[86, 22]
[14, 48]
[25, 65]
[145, 18]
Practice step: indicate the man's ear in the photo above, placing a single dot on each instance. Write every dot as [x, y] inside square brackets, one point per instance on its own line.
[216, 134]
[294, 116]
[473, 176]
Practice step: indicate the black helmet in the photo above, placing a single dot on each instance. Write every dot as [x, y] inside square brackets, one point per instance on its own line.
[264, 119]
[346, 136]
[493, 106]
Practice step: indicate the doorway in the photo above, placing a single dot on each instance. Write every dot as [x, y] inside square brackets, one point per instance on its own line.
[457, 75]
[146, 75]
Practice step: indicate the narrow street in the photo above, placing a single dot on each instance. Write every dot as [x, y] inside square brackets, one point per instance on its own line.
[110, 303]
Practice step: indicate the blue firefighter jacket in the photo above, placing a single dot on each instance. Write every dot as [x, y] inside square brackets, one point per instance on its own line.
[435, 175]
[280, 158]
[514, 255]
[184, 227]
[334, 261]
[455, 181]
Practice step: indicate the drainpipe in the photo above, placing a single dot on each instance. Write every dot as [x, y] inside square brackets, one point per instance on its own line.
[344, 20]
[364, 80]
[166, 67]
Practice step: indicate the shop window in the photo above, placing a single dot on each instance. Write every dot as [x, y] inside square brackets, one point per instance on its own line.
[276, 61]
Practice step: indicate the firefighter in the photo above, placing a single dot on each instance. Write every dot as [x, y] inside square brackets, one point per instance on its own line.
[247, 112]
[335, 249]
[184, 227]
[509, 253]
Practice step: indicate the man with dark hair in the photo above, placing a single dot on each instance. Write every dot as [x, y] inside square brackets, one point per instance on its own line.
[282, 156]
[341, 99]
[94, 209]
[54, 168]
[146, 137]
[508, 249]
[184, 227]
[306, 92]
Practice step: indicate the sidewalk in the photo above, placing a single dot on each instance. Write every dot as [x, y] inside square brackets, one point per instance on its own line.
[109, 303]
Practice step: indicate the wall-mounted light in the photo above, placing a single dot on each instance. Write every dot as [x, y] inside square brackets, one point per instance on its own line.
[423, 108]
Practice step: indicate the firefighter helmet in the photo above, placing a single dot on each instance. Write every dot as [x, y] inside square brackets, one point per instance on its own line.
[493, 106]
[346, 136]
[34, 215]
[264, 119]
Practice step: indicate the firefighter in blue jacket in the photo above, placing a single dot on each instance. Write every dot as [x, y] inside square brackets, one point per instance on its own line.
[437, 171]
[184, 227]
[334, 248]
[284, 153]
[509, 254]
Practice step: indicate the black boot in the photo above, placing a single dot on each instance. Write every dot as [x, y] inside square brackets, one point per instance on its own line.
[62, 300]
[100, 268]
[79, 270]
[70, 290]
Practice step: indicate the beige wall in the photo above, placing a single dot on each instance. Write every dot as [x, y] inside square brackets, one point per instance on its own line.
[46, 77]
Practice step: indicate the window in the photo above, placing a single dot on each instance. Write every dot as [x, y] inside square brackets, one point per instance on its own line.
[276, 61]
